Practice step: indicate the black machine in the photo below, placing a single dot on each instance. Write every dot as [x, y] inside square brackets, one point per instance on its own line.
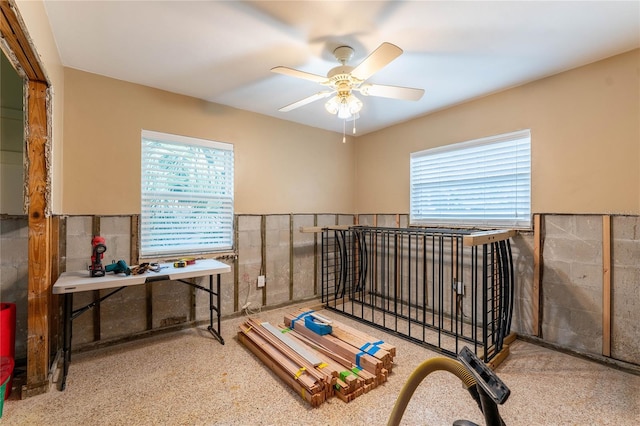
[488, 392]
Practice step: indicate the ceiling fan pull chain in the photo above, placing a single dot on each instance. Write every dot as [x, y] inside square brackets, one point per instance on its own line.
[344, 126]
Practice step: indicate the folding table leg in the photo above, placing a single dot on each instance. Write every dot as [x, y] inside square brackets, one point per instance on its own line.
[66, 345]
[212, 307]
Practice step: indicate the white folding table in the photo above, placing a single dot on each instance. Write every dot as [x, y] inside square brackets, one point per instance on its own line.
[73, 282]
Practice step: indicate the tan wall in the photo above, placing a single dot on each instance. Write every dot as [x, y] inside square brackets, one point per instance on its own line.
[585, 126]
[585, 142]
[280, 167]
[35, 18]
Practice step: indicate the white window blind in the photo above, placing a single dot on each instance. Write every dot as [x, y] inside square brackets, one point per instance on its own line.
[187, 195]
[484, 183]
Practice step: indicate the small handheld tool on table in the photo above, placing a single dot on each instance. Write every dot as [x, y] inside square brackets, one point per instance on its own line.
[98, 248]
[97, 269]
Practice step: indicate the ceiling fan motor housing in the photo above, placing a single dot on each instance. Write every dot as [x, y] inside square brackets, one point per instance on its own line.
[343, 54]
[340, 78]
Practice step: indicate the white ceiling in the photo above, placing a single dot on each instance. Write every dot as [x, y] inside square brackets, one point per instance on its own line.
[222, 51]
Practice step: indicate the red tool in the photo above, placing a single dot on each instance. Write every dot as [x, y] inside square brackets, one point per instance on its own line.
[98, 247]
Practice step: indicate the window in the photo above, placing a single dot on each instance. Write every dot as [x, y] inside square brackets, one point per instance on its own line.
[187, 195]
[481, 183]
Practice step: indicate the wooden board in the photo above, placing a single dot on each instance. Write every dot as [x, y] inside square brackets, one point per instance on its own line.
[606, 285]
[487, 237]
[280, 372]
[39, 244]
[18, 42]
[353, 354]
[537, 275]
[317, 229]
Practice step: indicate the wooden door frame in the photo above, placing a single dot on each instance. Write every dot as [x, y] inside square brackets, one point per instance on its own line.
[18, 48]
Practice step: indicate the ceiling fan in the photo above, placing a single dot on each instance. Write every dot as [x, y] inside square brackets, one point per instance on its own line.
[343, 80]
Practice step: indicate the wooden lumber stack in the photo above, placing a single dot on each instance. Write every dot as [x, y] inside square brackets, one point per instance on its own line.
[371, 358]
[346, 363]
[308, 380]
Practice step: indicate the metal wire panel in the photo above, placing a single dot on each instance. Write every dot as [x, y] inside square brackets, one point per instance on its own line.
[421, 284]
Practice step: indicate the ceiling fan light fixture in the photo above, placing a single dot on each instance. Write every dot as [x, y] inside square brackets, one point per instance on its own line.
[345, 106]
[332, 105]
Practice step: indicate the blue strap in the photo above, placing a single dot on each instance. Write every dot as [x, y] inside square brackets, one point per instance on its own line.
[368, 348]
[299, 317]
[374, 347]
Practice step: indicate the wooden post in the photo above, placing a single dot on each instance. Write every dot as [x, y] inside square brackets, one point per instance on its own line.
[290, 256]
[606, 285]
[39, 240]
[315, 258]
[134, 249]
[537, 275]
[20, 45]
[263, 254]
[236, 264]
[39, 282]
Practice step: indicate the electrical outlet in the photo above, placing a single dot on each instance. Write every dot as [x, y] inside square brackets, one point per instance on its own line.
[261, 280]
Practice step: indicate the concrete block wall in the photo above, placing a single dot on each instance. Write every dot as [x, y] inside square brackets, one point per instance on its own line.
[249, 249]
[625, 275]
[384, 220]
[571, 287]
[305, 284]
[78, 257]
[124, 313]
[14, 267]
[522, 248]
[572, 282]
[277, 262]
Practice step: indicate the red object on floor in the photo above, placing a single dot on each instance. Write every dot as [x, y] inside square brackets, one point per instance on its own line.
[7, 340]
[6, 371]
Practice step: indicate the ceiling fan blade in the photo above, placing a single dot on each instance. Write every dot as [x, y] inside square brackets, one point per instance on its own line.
[394, 92]
[300, 74]
[306, 101]
[378, 59]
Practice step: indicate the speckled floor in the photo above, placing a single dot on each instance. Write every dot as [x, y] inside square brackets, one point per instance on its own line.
[187, 378]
